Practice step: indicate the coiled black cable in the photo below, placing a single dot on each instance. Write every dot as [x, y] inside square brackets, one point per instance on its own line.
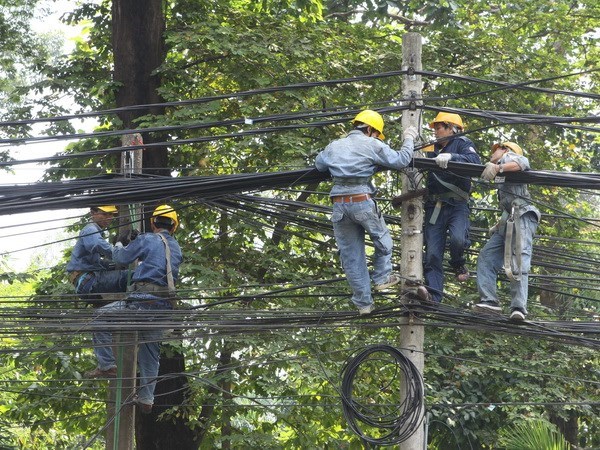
[394, 422]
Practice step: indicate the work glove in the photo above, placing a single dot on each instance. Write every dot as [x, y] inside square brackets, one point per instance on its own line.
[124, 237]
[410, 133]
[442, 160]
[490, 171]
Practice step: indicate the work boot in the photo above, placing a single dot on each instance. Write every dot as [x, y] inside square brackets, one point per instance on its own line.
[392, 280]
[424, 294]
[517, 315]
[145, 408]
[365, 310]
[99, 373]
[487, 307]
[462, 274]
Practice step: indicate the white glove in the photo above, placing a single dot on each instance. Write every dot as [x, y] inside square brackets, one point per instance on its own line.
[442, 160]
[490, 171]
[410, 133]
[119, 244]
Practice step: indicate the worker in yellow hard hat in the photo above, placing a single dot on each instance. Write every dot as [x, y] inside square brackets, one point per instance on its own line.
[90, 268]
[152, 288]
[352, 161]
[521, 218]
[447, 205]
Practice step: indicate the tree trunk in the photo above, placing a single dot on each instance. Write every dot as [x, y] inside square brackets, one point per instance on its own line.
[171, 434]
[568, 427]
[139, 49]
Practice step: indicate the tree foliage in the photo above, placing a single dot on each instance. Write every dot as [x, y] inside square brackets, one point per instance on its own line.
[280, 389]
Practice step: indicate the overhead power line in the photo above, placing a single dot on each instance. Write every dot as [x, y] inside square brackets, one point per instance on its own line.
[101, 190]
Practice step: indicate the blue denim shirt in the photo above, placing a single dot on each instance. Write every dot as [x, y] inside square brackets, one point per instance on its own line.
[462, 150]
[358, 155]
[150, 250]
[91, 252]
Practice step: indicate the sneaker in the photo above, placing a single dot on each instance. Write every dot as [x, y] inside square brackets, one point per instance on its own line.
[424, 294]
[145, 408]
[517, 315]
[392, 280]
[462, 274]
[488, 307]
[99, 373]
[364, 310]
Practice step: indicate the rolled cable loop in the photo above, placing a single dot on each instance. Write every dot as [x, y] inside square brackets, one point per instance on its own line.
[382, 375]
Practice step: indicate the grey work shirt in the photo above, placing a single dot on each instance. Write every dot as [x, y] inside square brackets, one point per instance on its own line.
[515, 194]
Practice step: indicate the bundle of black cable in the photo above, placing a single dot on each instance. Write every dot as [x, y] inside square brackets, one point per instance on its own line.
[386, 376]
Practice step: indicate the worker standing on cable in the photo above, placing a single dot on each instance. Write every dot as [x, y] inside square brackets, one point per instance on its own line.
[152, 289]
[511, 242]
[447, 206]
[91, 269]
[352, 161]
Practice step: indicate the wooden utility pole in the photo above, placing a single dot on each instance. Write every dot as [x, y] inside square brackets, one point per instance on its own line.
[120, 432]
[411, 329]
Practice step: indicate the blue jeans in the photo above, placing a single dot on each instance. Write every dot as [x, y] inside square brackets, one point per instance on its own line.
[350, 223]
[148, 342]
[453, 223]
[103, 281]
[491, 260]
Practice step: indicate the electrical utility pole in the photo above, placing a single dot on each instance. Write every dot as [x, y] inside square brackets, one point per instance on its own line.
[411, 330]
[120, 433]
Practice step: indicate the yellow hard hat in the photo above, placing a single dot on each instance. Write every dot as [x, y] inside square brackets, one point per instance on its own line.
[108, 209]
[371, 118]
[514, 147]
[449, 118]
[168, 212]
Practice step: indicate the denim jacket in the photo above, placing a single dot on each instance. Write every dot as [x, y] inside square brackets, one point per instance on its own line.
[91, 252]
[358, 156]
[150, 250]
[462, 150]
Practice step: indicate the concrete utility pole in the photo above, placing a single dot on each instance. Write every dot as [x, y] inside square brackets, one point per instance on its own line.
[411, 329]
[120, 433]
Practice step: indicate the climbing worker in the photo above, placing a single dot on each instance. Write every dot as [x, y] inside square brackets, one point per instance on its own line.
[511, 241]
[91, 269]
[447, 206]
[152, 289]
[352, 160]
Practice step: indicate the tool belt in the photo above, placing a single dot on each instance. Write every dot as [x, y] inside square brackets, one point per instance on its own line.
[439, 202]
[355, 198]
[352, 181]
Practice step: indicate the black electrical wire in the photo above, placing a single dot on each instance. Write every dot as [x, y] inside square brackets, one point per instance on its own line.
[402, 419]
[226, 96]
[500, 86]
[100, 190]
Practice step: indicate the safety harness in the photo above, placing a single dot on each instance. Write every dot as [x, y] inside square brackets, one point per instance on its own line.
[513, 232]
[155, 289]
[455, 193]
